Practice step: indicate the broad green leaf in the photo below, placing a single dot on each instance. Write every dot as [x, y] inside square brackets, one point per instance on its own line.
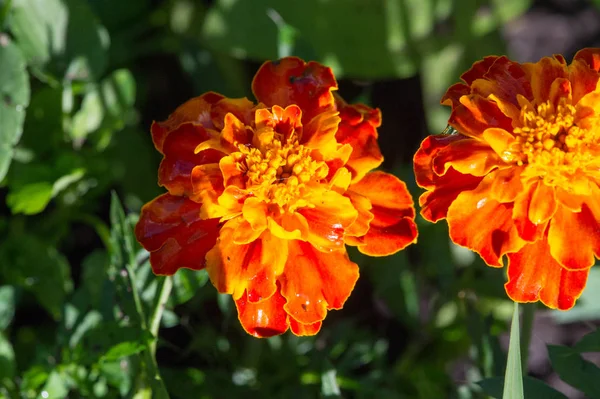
[368, 40]
[40, 28]
[532, 388]
[14, 98]
[7, 359]
[589, 343]
[87, 119]
[119, 374]
[513, 381]
[61, 31]
[574, 370]
[30, 199]
[7, 305]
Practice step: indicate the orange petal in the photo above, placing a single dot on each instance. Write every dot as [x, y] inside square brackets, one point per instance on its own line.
[363, 206]
[482, 224]
[265, 318]
[468, 156]
[289, 226]
[207, 178]
[504, 79]
[533, 208]
[542, 74]
[479, 69]
[358, 128]
[303, 330]
[232, 174]
[506, 183]
[319, 133]
[235, 131]
[175, 171]
[392, 227]
[196, 110]
[435, 203]
[560, 88]
[475, 114]
[314, 281]
[241, 108]
[583, 75]
[533, 274]
[254, 267]
[573, 238]
[590, 56]
[328, 220]
[454, 93]
[290, 81]
[282, 120]
[171, 229]
[500, 141]
[423, 159]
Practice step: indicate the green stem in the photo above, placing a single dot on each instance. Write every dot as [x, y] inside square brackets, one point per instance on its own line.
[513, 378]
[165, 286]
[4, 13]
[528, 317]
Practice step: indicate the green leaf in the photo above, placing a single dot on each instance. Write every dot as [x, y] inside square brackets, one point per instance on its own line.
[14, 98]
[513, 382]
[374, 40]
[30, 199]
[7, 305]
[589, 343]
[61, 31]
[56, 386]
[28, 262]
[329, 384]
[574, 370]
[186, 283]
[125, 349]
[7, 359]
[532, 388]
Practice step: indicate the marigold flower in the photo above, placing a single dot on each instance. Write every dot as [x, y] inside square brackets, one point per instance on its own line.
[265, 196]
[520, 178]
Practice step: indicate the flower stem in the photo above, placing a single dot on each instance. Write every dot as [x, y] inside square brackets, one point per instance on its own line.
[528, 318]
[165, 286]
[513, 378]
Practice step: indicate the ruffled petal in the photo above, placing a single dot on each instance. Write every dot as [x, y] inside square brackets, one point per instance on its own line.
[435, 203]
[504, 80]
[542, 74]
[467, 156]
[532, 210]
[263, 319]
[197, 110]
[574, 239]
[175, 171]
[314, 281]
[292, 81]
[484, 225]
[425, 155]
[170, 228]
[479, 69]
[392, 227]
[358, 128]
[285, 121]
[533, 274]
[252, 268]
[506, 183]
[475, 114]
[328, 220]
[241, 108]
[591, 56]
[208, 179]
[304, 330]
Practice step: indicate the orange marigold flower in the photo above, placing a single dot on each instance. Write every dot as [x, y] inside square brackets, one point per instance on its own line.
[520, 176]
[265, 196]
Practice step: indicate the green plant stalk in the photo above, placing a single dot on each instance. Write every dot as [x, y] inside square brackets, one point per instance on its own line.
[158, 386]
[513, 378]
[526, 331]
[165, 287]
[4, 13]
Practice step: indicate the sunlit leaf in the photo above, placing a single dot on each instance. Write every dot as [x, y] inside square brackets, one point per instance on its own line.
[7, 359]
[513, 382]
[14, 98]
[532, 388]
[7, 305]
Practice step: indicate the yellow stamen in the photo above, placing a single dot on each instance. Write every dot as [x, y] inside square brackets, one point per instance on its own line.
[280, 172]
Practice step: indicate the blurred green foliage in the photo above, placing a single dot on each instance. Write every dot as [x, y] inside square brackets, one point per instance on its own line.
[80, 309]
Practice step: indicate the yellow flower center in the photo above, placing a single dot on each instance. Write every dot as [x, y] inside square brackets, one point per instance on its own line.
[551, 144]
[281, 173]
